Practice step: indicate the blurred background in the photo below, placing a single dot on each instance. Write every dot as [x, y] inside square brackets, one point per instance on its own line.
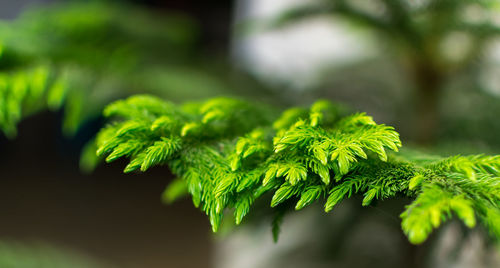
[429, 68]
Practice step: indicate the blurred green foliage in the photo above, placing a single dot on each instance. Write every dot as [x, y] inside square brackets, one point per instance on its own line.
[42, 255]
[81, 56]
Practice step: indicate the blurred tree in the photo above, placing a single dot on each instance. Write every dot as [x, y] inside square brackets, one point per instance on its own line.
[430, 45]
[81, 56]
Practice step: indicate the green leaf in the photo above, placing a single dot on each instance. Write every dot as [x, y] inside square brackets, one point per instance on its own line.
[125, 149]
[310, 195]
[57, 94]
[270, 174]
[241, 145]
[235, 163]
[190, 129]
[344, 162]
[337, 194]
[242, 208]
[368, 196]
[215, 220]
[194, 187]
[289, 117]
[324, 174]
[88, 157]
[39, 81]
[320, 154]
[213, 115]
[165, 123]
[132, 127]
[356, 149]
[415, 181]
[159, 152]
[491, 218]
[283, 193]
[316, 118]
[249, 179]
[135, 163]
[463, 209]
[296, 173]
[175, 190]
[432, 206]
[225, 185]
[276, 224]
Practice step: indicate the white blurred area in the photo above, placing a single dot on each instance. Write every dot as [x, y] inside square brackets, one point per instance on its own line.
[490, 76]
[294, 55]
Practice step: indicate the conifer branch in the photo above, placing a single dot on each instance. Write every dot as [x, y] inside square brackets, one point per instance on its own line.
[229, 153]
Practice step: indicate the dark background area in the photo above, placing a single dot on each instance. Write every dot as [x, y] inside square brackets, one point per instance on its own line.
[108, 216]
[115, 218]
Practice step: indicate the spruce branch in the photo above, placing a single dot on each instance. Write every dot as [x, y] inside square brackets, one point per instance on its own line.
[229, 152]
